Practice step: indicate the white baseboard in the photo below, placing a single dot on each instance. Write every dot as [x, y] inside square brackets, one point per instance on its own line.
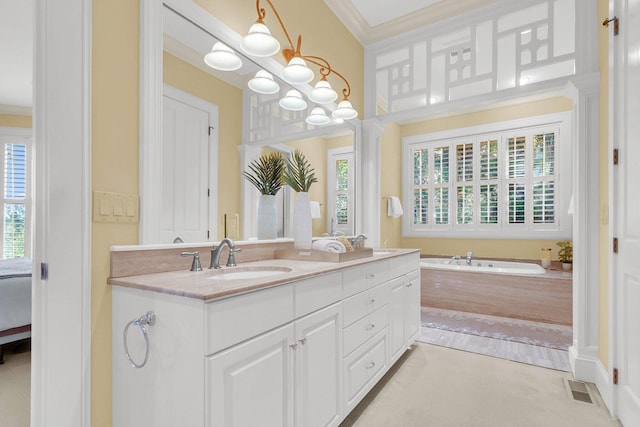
[591, 369]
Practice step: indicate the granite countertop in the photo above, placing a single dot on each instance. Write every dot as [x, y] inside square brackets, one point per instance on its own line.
[200, 285]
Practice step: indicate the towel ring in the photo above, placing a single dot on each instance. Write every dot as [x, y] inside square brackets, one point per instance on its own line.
[146, 319]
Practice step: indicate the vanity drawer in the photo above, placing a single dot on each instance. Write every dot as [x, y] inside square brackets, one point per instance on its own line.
[404, 264]
[364, 367]
[361, 304]
[362, 330]
[317, 292]
[233, 320]
[361, 278]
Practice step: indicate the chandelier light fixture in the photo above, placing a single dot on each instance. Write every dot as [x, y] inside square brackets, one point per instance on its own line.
[259, 42]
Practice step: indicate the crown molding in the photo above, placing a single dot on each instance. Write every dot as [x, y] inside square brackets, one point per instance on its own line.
[16, 110]
[351, 18]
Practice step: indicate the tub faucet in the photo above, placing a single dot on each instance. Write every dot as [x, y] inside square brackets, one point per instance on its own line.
[358, 241]
[215, 254]
[454, 258]
[469, 257]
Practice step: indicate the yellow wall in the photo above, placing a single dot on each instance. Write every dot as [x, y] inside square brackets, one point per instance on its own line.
[323, 34]
[392, 178]
[228, 98]
[114, 168]
[15, 121]
[605, 247]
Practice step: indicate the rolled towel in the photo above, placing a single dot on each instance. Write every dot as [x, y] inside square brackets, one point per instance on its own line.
[328, 245]
[394, 207]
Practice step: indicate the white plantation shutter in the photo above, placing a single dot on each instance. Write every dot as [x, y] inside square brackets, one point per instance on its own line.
[15, 192]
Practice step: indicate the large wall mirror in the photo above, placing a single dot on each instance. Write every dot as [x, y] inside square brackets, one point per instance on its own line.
[191, 183]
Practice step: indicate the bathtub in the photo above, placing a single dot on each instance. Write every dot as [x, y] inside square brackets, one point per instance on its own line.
[518, 290]
[482, 266]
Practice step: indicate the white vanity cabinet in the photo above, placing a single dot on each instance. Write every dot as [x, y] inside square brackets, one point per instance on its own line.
[301, 353]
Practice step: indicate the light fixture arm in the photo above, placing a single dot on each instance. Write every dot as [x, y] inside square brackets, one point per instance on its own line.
[325, 67]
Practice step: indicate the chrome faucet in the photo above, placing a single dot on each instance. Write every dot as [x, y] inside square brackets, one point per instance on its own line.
[216, 251]
[469, 257]
[358, 241]
[454, 258]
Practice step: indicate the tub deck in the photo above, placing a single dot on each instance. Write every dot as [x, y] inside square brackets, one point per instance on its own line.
[541, 298]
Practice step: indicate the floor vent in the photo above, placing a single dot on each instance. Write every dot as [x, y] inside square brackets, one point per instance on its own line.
[579, 391]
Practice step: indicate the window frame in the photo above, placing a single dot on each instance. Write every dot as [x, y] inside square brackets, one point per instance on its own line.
[560, 123]
[333, 155]
[12, 135]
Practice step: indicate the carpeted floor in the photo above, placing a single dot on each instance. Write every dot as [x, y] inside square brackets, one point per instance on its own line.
[15, 385]
[441, 387]
[522, 331]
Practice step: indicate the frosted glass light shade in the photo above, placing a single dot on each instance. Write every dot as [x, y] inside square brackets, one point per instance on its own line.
[297, 72]
[223, 58]
[263, 83]
[293, 101]
[345, 111]
[318, 117]
[323, 93]
[259, 42]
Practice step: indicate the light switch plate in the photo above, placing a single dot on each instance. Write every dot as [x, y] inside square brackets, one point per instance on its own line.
[233, 226]
[115, 207]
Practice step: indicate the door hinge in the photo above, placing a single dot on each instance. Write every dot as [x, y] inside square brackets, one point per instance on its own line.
[208, 192]
[615, 245]
[207, 234]
[615, 376]
[210, 129]
[615, 156]
[616, 24]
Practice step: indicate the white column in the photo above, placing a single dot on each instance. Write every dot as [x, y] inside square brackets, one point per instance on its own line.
[249, 193]
[584, 352]
[368, 177]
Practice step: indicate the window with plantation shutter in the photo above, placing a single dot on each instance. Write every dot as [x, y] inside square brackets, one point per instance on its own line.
[15, 197]
[505, 184]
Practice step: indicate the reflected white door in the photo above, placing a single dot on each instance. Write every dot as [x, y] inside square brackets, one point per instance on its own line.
[627, 207]
[188, 165]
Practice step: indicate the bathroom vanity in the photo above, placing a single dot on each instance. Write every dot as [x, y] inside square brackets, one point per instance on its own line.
[272, 342]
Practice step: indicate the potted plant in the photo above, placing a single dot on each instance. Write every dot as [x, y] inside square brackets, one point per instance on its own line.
[299, 175]
[565, 254]
[266, 174]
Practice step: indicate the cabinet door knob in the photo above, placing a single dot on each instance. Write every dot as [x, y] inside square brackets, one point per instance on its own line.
[293, 346]
[370, 326]
[371, 276]
[371, 301]
[410, 284]
[371, 365]
[303, 340]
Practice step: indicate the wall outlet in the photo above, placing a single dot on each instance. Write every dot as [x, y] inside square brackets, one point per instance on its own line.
[233, 226]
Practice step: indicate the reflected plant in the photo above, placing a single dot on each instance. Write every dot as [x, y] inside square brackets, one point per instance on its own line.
[299, 174]
[267, 173]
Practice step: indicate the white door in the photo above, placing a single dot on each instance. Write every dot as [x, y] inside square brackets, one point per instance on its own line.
[251, 384]
[340, 191]
[187, 166]
[318, 382]
[627, 209]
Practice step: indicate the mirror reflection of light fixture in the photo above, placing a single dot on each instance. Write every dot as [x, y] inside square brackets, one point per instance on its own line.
[222, 58]
[259, 42]
[293, 101]
[263, 83]
[318, 117]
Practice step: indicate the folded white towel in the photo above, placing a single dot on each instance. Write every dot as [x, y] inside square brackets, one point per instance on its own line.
[328, 245]
[394, 207]
[315, 209]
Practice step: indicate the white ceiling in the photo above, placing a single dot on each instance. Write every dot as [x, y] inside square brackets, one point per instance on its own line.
[16, 45]
[368, 20]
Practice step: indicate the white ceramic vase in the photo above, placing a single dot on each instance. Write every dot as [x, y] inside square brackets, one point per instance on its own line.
[302, 222]
[267, 217]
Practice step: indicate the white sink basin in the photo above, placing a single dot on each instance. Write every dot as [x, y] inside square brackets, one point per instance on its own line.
[237, 273]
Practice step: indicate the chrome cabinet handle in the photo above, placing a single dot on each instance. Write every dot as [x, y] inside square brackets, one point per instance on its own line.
[371, 365]
[293, 346]
[303, 341]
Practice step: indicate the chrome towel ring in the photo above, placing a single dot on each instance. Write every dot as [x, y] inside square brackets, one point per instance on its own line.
[146, 319]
